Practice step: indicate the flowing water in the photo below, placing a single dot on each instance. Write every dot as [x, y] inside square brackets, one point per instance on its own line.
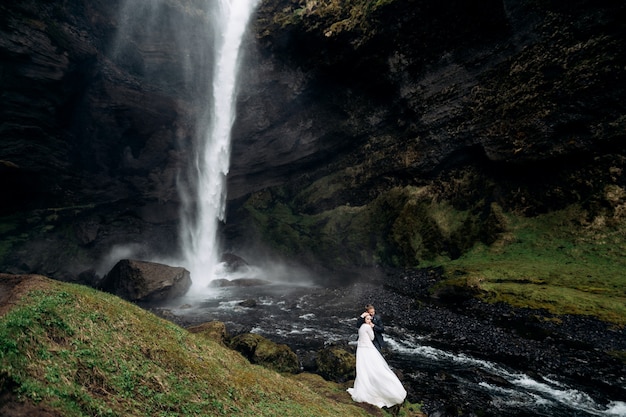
[307, 318]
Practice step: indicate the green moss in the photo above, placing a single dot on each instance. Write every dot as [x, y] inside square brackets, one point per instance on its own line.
[327, 18]
[336, 364]
[558, 261]
[403, 226]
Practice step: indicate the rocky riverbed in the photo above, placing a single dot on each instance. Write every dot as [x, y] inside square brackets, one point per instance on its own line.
[456, 354]
[579, 350]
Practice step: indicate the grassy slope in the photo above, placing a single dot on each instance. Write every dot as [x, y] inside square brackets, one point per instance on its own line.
[554, 261]
[85, 353]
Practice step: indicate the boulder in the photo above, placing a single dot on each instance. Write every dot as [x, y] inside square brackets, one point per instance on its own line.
[335, 363]
[233, 262]
[264, 352]
[146, 281]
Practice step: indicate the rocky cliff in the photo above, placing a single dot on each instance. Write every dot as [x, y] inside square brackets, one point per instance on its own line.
[368, 133]
[97, 120]
[393, 132]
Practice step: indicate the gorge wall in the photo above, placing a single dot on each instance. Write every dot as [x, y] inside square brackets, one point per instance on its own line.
[368, 133]
[396, 132]
[97, 124]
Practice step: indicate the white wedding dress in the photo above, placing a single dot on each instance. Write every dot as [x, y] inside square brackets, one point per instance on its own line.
[375, 382]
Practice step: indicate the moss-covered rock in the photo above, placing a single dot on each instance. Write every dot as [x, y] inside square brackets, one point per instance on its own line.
[262, 351]
[403, 226]
[335, 363]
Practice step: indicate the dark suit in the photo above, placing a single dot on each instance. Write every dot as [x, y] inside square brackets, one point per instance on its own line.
[379, 329]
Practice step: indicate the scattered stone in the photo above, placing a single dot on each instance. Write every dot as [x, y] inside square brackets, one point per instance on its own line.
[250, 303]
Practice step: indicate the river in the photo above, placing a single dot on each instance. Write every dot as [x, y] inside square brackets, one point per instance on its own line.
[445, 379]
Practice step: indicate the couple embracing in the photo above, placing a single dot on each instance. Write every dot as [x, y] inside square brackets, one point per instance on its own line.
[375, 382]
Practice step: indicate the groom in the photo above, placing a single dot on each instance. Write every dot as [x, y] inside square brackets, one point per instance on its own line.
[379, 329]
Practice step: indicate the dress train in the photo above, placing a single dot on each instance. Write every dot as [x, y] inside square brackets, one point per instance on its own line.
[375, 382]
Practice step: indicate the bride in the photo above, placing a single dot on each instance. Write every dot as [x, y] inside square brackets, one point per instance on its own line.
[375, 382]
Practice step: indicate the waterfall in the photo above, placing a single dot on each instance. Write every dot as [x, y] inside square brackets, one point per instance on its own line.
[192, 48]
[206, 206]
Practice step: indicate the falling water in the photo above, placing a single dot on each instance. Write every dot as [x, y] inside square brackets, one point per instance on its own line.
[194, 48]
[199, 230]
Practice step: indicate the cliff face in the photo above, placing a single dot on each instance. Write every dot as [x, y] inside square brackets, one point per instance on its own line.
[360, 126]
[97, 118]
[393, 132]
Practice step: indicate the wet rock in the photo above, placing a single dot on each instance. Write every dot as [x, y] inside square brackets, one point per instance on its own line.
[233, 262]
[248, 303]
[219, 283]
[146, 281]
[308, 360]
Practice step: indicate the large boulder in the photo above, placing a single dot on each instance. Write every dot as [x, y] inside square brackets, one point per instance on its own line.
[146, 281]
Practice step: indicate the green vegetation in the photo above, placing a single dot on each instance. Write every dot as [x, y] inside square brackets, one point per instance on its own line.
[80, 352]
[569, 261]
[328, 17]
[401, 227]
[556, 261]
[341, 15]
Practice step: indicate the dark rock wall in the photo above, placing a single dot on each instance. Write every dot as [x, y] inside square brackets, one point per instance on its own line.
[100, 102]
[356, 116]
[355, 119]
